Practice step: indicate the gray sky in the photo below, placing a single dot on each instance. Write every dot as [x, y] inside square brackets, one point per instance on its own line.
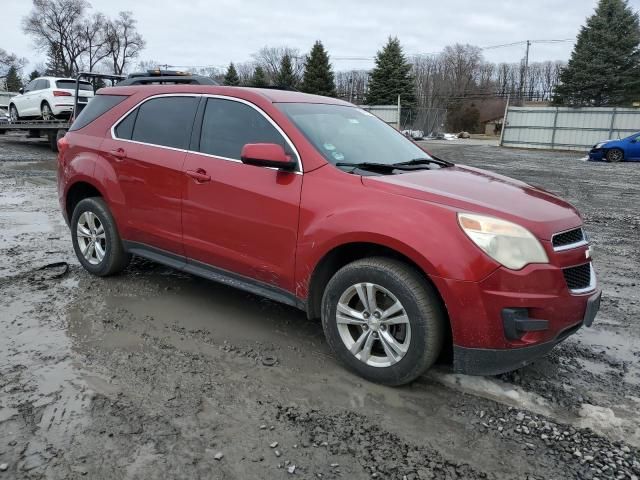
[215, 32]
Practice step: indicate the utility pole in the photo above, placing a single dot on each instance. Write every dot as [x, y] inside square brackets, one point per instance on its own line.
[399, 112]
[525, 72]
[351, 88]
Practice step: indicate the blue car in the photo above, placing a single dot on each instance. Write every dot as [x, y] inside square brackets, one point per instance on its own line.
[625, 149]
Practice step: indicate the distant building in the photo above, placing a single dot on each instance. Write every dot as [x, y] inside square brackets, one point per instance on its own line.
[493, 126]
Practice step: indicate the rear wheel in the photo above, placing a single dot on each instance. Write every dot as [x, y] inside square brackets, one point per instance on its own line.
[383, 320]
[45, 111]
[615, 155]
[95, 238]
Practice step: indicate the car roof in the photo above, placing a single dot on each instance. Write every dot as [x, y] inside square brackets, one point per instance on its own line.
[269, 94]
[55, 79]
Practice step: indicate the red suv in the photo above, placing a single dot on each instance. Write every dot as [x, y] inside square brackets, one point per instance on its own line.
[315, 203]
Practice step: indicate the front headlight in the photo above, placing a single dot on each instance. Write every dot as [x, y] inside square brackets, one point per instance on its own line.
[507, 243]
[600, 145]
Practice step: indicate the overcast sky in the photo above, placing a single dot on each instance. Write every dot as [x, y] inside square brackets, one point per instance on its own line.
[215, 32]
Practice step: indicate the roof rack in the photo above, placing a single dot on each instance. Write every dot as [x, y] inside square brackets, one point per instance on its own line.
[164, 77]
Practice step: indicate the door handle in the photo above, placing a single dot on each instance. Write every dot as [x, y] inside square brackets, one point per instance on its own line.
[200, 175]
[118, 153]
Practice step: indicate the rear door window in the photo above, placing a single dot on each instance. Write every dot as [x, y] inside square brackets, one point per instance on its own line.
[42, 84]
[228, 126]
[96, 107]
[30, 86]
[165, 121]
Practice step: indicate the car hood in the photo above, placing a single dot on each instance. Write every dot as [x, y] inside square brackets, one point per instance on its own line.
[474, 190]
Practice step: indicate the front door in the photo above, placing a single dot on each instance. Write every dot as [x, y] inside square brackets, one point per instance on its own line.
[147, 156]
[238, 217]
[633, 148]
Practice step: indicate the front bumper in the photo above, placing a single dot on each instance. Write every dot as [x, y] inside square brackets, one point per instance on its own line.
[487, 361]
[596, 154]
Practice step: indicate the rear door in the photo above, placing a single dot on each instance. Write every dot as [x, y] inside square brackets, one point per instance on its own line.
[148, 154]
[238, 217]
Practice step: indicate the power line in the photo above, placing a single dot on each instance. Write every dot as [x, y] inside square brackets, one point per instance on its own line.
[423, 54]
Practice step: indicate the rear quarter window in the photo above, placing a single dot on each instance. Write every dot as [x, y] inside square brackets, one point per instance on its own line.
[99, 105]
[71, 85]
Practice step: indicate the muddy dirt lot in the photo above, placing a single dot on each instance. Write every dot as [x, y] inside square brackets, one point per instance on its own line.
[158, 374]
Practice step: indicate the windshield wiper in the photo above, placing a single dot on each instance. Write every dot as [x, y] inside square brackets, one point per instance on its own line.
[375, 166]
[425, 161]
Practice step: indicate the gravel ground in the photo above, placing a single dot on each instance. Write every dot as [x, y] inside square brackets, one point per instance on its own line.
[158, 374]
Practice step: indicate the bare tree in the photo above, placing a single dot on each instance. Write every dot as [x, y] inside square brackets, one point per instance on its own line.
[55, 25]
[8, 60]
[123, 40]
[270, 59]
[94, 31]
[245, 72]
[352, 85]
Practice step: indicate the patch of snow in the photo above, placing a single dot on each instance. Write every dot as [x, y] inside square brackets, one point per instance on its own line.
[493, 389]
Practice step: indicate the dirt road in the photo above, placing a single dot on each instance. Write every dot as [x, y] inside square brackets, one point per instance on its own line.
[158, 374]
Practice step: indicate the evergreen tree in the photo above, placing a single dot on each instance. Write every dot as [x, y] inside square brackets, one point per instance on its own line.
[286, 77]
[604, 68]
[56, 65]
[13, 79]
[391, 77]
[33, 75]
[259, 78]
[318, 77]
[231, 77]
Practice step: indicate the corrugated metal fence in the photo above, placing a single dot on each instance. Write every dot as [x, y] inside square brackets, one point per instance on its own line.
[565, 128]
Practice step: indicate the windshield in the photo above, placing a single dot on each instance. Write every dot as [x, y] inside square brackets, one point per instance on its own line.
[71, 85]
[350, 135]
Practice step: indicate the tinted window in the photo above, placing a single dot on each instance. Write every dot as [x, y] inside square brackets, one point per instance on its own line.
[165, 121]
[124, 129]
[96, 107]
[41, 84]
[71, 85]
[31, 86]
[228, 125]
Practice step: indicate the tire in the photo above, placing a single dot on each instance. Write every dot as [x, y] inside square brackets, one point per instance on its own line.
[13, 113]
[45, 112]
[421, 336]
[615, 155]
[93, 213]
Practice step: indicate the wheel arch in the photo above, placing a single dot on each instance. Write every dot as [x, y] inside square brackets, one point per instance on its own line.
[343, 254]
[78, 191]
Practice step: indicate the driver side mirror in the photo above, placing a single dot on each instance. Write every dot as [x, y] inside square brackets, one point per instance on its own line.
[267, 155]
[21, 90]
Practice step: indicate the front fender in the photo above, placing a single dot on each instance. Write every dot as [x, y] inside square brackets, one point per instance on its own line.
[426, 233]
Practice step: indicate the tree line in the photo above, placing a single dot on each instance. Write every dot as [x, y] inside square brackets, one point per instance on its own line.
[604, 68]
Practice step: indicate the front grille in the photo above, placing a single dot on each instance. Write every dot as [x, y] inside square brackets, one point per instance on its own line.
[578, 278]
[568, 238]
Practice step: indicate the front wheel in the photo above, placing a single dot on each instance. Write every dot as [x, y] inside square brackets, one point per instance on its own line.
[13, 114]
[615, 155]
[95, 238]
[383, 320]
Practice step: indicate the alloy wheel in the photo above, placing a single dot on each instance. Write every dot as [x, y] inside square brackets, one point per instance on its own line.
[13, 114]
[373, 324]
[46, 112]
[92, 239]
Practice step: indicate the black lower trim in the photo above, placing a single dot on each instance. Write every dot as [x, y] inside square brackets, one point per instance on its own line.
[487, 361]
[516, 323]
[213, 273]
